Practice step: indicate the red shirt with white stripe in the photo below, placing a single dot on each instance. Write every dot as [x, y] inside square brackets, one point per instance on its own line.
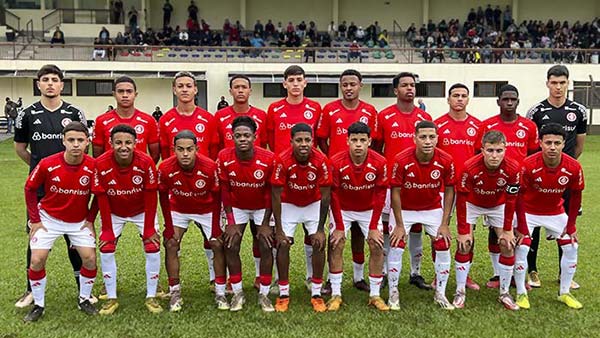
[225, 117]
[397, 129]
[521, 135]
[145, 127]
[457, 138]
[200, 122]
[282, 116]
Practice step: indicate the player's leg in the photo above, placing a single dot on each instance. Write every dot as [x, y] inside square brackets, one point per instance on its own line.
[566, 200]
[220, 268]
[74, 258]
[172, 245]
[442, 271]
[494, 251]
[357, 244]
[234, 263]
[462, 265]
[37, 280]
[308, 252]
[208, 253]
[520, 269]
[256, 253]
[266, 266]
[108, 264]
[394, 262]
[376, 258]
[335, 254]
[289, 221]
[87, 276]
[415, 248]
[534, 277]
[310, 217]
[152, 254]
[506, 264]
[568, 265]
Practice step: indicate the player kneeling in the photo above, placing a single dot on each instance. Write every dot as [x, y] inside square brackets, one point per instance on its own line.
[67, 180]
[189, 191]
[301, 193]
[488, 187]
[546, 176]
[418, 174]
[360, 183]
[125, 185]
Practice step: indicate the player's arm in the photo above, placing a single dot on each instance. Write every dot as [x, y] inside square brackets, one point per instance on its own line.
[579, 141]
[377, 142]
[574, 205]
[23, 152]
[324, 208]
[323, 145]
[522, 229]
[164, 139]
[444, 231]
[165, 207]
[270, 127]
[150, 204]
[399, 234]
[34, 181]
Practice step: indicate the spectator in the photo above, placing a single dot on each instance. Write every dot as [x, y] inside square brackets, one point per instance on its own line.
[222, 103]
[104, 35]
[259, 29]
[301, 30]
[245, 43]
[183, 38]
[270, 29]
[99, 51]
[354, 51]
[382, 39]
[506, 17]
[193, 11]
[11, 112]
[109, 108]
[352, 31]
[360, 34]
[116, 11]
[342, 29]
[489, 15]
[332, 30]
[497, 15]
[120, 39]
[279, 28]
[58, 36]
[157, 113]
[290, 27]
[422, 105]
[226, 29]
[309, 49]
[167, 10]
[133, 19]
[257, 42]
[312, 30]
[326, 40]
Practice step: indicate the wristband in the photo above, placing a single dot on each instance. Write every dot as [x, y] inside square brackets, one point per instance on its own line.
[229, 217]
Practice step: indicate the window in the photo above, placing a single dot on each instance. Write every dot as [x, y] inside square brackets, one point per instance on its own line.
[424, 89]
[584, 93]
[487, 88]
[312, 90]
[382, 90]
[67, 88]
[94, 87]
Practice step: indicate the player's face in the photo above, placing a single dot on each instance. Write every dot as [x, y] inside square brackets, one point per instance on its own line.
[406, 89]
[359, 144]
[295, 84]
[125, 94]
[185, 150]
[243, 137]
[426, 140]
[493, 154]
[75, 143]
[123, 145]
[458, 99]
[302, 142]
[552, 146]
[508, 102]
[557, 86]
[50, 85]
[351, 86]
[240, 90]
[185, 89]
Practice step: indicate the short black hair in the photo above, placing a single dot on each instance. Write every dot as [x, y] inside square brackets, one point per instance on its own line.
[50, 69]
[184, 74]
[359, 128]
[396, 80]
[552, 128]
[243, 121]
[185, 134]
[457, 85]
[76, 126]
[239, 76]
[123, 79]
[123, 128]
[300, 127]
[351, 72]
[507, 88]
[424, 125]
[557, 70]
[293, 70]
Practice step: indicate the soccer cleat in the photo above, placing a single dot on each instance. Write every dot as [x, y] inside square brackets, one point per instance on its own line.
[25, 300]
[471, 284]
[493, 283]
[34, 314]
[103, 295]
[93, 299]
[109, 307]
[161, 293]
[394, 300]
[378, 303]
[508, 302]
[419, 281]
[176, 301]
[326, 289]
[87, 307]
[257, 283]
[335, 303]
[570, 300]
[265, 303]
[459, 299]
[442, 301]
[153, 305]
[282, 304]
[211, 286]
[523, 301]
[318, 304]
[534, 280]
[362, 286]
[237, 302]
[574, 285]
[222, 303]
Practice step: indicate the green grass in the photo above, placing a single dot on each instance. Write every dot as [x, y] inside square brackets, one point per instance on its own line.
[419, 317]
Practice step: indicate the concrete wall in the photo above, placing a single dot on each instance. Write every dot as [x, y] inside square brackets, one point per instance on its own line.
[365, 13]
[214, 12]
[85, 31]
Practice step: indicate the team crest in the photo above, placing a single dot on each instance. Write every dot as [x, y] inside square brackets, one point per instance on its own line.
[66, 121]
[501, 182]
[521, 133]
[370, 177]
[571, 117]
[139, 129]
[563, 180]
[200, 184]
[308, 115]
[311, 176]
[84, 180]
[364, 120]
[435, 174]
[259, 174]
[137, 179]
[471, 131]
[200, 128]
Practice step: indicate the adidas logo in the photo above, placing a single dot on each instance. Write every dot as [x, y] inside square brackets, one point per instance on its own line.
[175, 130]
[37, 121]
[546, 117]
[283, 115]
[56, 179]
[177, 183]
[411, 174]
[447, 131]
[339, 120]
[539, 179]
[232, 174]
[293, 175]
[112, 182]
[346, 177]
[395, 124]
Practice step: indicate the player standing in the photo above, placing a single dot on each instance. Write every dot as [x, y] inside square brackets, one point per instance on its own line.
[66, 178]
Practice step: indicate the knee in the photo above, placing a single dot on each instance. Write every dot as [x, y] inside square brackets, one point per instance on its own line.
[235, 246]
[37, 262]
[375, 249]
[441, 245]
[172, 245]
[216, 245]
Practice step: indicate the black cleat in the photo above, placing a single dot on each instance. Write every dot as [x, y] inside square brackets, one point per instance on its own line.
[362, 285]
[419, 281]
[87, 308]
[34, 314]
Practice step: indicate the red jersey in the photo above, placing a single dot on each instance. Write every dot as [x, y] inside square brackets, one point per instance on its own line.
[225, 117]
[191, 192]
[201, 123]
[543, 187]
[67, 188]
[487, 189]
[397, 129]
[145, 127]
[421, 183]
[358, 188]
[125, 187]
[245, 184]
[301, 183]
[521, 135]
[282, 116]
[336, 119]
[457, 138]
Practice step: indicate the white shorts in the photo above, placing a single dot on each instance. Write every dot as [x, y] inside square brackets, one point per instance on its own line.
[363, 218]
[430, 219]
[494, 217]
[44, 240]
[292, 214]
[242, 216]
[203, 221]
[554, 224]
[118, 223]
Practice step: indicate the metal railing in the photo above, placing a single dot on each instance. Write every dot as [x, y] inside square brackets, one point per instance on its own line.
[51, 20]
[72, 15]
[29, 31]
[398, 34]
[13, 21]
